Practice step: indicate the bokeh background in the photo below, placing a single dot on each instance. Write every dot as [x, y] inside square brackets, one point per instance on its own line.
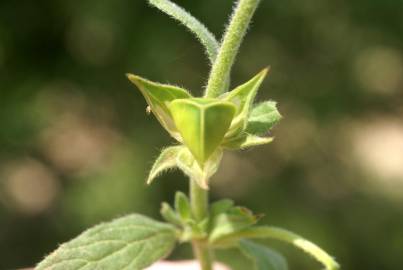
[76, 143]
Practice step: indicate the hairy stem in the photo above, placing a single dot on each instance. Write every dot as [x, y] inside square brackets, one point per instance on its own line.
[229, 47]
[199, 205]
[202, 33]
[218, 82]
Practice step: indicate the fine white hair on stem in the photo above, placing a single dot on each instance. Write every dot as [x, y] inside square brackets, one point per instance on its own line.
[201, 32]
[234, 34]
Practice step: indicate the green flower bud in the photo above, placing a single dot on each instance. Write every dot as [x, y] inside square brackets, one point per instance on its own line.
[203, 123]
[206, 126]
[158, 96]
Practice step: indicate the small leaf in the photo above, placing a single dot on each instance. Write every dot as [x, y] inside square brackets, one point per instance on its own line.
[263, 117]
[235, 219]
[202, 122]
[158, 96]
[221, 206]
[187, 163]
[165, 161]
[263, 258]
[196, 27]
[245, 141]
[182, 206]
[243, 97]
[169, 214]
[132, 242]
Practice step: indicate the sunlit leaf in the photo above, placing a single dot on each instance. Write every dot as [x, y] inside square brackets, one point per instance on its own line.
[158, 96]
[263, 258]
[202, 124]
[263, 117]
[165, 161]
[132, 242]
[243, 97]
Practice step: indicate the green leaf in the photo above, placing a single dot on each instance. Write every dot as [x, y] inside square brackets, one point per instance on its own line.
[202, 122]
[196, 27]
[132, 242]
[246, 140]
[243, 97]
[158, 96]
[261, 232]
[263, 117]
[263, 258]
[187, 163]
[165, 161]
[220, 207]
[233, 220]
[182, 206]
[169, 214]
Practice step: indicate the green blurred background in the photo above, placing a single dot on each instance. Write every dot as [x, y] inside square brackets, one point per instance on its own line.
[76, 143]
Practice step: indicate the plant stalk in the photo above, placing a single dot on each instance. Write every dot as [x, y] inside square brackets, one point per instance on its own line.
[218, 83]
[199, 205]
[230, 44]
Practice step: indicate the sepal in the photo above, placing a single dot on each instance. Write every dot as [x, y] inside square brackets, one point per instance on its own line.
[180, 156]
[158, 96]
[202, 123]
[165, 161]
[242, 97]
[245, 141]
[187, 163]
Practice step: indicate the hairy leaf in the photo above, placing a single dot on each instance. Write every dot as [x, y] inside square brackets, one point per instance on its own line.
[165, 161]
[243, 97]
[132, 242]
[283, 235]
[158, 96]
[202, 123]
[263, 117]
[196, 27]
[263, 258]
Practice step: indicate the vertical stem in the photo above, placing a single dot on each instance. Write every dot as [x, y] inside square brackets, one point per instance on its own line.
[217, 83]
[229, 47]
[203, 254]
[198, 201]
[199, 205]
